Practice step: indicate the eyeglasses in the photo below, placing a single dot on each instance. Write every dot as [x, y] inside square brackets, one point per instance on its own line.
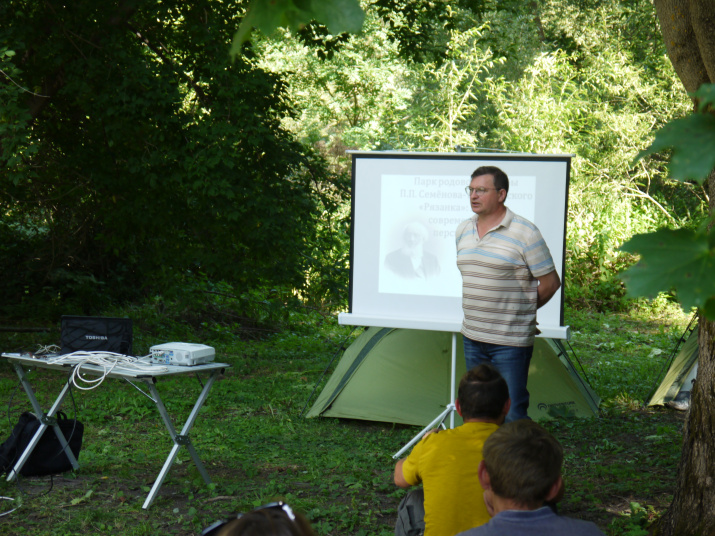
[280, 505]
[479, 191]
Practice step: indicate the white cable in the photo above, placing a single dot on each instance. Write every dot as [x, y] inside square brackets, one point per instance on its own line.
[49, 349]
[9, 511]
[107, 360]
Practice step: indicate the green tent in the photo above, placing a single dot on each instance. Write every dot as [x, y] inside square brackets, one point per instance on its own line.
[680, 375]
[404, 376]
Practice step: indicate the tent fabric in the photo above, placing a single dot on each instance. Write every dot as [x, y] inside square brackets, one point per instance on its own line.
[555, 386]
[680, 372]
[404, 376]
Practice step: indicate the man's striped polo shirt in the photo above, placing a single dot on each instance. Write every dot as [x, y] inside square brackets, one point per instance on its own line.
[499, 283]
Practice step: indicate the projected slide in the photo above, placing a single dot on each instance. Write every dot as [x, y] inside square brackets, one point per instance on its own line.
[405, 210]
[417, 224]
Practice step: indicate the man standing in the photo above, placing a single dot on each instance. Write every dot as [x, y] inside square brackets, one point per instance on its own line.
[507, 273]
[446, 462]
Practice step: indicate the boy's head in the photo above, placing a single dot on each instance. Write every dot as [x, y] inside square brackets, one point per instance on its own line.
[523, 463]
[483, 393]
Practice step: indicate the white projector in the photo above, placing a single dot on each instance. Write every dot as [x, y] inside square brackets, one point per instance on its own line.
[181, 353]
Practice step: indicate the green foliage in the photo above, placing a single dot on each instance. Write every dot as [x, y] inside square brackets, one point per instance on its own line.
[551, 77]
[639, 518]
[691, 138]
[140, 154]
[705, 98]
[337, 15]
[417, 27]
[349, 101]
[596, 100]
[317, 37]
[682, 259]
[214, 311]
[326, 280]
[689, 161]
[152, 155]
[16, 147]
[447, 103]
[621, 359]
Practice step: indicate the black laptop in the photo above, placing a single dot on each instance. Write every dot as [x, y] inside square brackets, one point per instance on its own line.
[96, 334]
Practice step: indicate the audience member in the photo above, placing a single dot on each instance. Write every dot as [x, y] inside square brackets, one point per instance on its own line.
[520, 472]
[446, 462]
[274, 519]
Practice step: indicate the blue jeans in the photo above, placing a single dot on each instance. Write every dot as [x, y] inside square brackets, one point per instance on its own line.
[513, 364]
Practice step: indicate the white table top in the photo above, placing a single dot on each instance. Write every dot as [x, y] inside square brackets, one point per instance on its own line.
[148, 370]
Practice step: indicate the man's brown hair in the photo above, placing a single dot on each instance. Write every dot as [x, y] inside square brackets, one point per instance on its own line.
[482, 393]
[501, 180]
[523, 461]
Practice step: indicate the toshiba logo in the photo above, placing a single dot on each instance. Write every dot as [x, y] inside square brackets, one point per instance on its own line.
[96, 337]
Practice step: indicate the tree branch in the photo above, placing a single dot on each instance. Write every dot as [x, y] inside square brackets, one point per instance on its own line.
[634, 192]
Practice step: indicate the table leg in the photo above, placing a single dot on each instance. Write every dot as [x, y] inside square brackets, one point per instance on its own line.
[45, 421]
[179, 439]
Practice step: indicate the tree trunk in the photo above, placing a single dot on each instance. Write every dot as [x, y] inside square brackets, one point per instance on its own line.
[681, 40]
[692, 511]
[688, 28]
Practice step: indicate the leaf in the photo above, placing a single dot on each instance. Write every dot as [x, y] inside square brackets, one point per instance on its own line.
[692, 139]
[705, 96]
[682, 259]
[339, 16]
[75, 502]
[709, 309]
[266, 15]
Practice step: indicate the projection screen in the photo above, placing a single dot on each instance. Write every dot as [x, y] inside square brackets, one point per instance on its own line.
[398, 193]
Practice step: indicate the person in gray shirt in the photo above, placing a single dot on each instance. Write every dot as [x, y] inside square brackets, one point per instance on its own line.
[520, 473]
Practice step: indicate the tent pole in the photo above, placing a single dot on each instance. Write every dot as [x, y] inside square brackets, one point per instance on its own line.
[340, 349]
[453, 380]
[449, 410]
[660, 377]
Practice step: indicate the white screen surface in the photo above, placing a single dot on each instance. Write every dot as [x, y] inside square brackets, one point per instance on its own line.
[396, 195]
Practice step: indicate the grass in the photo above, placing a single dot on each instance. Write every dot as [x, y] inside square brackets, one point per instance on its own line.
[619, 468]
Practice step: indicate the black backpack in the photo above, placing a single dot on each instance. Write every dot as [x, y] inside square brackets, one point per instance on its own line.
[48, 457]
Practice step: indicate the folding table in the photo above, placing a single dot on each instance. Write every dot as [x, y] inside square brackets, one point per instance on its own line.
[148, 377]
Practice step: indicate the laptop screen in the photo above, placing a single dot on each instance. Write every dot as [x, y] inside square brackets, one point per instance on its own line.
[96, 334]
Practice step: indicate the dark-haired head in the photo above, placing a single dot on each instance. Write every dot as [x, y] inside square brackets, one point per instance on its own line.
[275, 519]
[501, 181]
[483, 393]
